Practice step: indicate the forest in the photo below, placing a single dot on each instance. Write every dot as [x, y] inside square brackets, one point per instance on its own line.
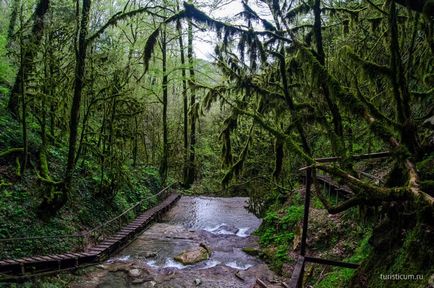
[104, 103]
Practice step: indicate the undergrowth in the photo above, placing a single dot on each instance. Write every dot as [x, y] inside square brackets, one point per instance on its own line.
[20, 195]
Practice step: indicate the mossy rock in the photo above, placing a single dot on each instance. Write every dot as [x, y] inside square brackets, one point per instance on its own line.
[194, 256]
[251, 251]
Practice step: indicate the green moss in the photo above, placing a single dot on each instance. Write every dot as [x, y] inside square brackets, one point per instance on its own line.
[340, 277]
[413, 257]
[251, 251]
[426, 168]
[277, 233]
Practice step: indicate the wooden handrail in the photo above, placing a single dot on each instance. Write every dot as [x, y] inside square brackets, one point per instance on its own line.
[87, 233]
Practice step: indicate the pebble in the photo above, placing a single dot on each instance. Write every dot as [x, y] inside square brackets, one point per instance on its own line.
[197, 282]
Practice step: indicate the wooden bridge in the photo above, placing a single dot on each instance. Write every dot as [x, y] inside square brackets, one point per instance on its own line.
[37, 265]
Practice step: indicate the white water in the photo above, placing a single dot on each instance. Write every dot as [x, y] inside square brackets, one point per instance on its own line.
[237, 266]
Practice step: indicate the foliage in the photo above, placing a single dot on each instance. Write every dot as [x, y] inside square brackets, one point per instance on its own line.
[313, 79]
[341, 277]
[6, 70]
[277, 232]
[87, 209]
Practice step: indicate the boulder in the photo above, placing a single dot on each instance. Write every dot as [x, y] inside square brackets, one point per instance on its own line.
[194, 256]
[135, 273]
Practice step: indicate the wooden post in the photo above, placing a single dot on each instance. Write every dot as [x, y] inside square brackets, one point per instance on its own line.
[306, 211]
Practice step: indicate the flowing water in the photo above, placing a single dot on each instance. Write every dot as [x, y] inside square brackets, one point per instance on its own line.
[221, 224]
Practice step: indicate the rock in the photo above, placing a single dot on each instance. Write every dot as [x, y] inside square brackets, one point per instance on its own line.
[206, 247]
[150, 284]
[239, 276]
[142, 280]
[150, 254]
[197, 282]
[116, 279]
[138, 281]
[114, 267]
[225, 229]
[193, 256]
[251, 251]
[135, 273]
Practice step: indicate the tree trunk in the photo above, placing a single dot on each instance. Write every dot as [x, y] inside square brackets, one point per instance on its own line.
[185, 105]
[164, 160]
[78, 87]
[400, 88]
[191, 175]
[29, 52]
[23, 101]
[336, 116]
[13, 21]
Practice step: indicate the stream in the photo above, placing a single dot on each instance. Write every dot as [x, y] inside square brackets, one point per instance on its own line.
[222, 225]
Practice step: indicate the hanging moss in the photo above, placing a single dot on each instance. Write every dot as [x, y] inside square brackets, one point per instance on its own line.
[278, 150]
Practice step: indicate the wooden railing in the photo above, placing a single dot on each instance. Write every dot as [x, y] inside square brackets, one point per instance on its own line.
[80, 239]
[37, 265]
[296, 280]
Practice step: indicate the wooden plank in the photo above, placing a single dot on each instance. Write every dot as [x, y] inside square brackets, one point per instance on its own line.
[72, 255]
[297, 273]
[39, 259]
[63, 256]
[108, 241]
[331, 262]
[356, 157]
[261, 283]
[89, 253]
[56, 257]
[107, 246]
[118, 237]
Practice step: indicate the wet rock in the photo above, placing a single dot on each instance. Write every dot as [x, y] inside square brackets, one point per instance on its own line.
[142, 280]
[113, 280]
[150, 254]
[251, 251]
[206, 247]
[239, 275]
[115, 267]
[134, 273]
[193, 256]
[149, 284]
[225, 229]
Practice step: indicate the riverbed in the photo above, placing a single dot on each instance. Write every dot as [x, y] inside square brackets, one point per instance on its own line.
[223, 225]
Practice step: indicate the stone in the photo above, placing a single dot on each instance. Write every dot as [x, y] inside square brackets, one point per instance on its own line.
[150, 284]
[253, 251]
[114, 267]
[193, 256]
[197, 282]
[150, 254]
[142, 280]
[135, 273]
[226, 229]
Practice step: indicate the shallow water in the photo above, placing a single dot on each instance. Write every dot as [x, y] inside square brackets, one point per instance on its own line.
[222, 224]
[218, 222]
[209, 213]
